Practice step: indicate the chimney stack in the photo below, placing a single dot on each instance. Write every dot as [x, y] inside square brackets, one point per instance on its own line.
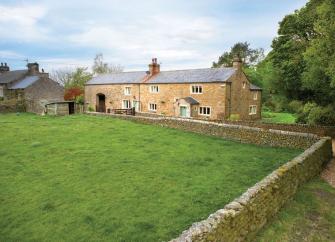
[4, 67]
[237, 63]
[154, 68]
[33, 68]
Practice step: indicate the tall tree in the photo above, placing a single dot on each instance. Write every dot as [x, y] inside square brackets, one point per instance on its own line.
[72, 78]
[101, 67]
[249, 56]
[319, 74]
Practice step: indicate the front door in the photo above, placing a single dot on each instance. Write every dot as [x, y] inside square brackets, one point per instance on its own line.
[136, 105]
[101, 106]
[183, 111]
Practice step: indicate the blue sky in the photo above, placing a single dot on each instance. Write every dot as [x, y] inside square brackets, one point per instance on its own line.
[180, 33]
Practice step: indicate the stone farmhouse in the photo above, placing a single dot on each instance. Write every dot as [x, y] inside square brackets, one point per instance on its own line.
[33, 87]
[211, 93]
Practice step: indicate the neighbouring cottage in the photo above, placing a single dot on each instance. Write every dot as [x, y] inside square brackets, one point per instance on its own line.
[33, 87]
[210, 93]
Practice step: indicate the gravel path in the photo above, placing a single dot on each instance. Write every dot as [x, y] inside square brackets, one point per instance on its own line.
[328, 174]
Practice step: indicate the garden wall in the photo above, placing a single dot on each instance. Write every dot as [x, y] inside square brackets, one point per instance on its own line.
[239, 133]
[241, 219]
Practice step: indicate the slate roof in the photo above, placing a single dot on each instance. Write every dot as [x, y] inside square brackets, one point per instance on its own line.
[119, 78]
[254, 87]
[190, 100]
[25, 82]
[193, 76]
[178, 76]
[11, 76]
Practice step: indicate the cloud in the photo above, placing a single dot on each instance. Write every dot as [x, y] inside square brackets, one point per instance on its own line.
[8, 54]
[170, 37]
[21, 22]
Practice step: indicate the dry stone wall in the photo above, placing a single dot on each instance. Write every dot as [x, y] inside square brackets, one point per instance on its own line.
[241, 219]
[239, 133]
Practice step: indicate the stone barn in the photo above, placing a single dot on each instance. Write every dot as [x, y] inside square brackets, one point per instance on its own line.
[33, 87]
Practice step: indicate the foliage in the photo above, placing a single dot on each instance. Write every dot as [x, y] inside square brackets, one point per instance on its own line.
[303, 55]
[249, 56]
[69, 78]
[311, 113]
[310, 216]
[100, 67]
[91, 109]
[73, 93]
[80, 177]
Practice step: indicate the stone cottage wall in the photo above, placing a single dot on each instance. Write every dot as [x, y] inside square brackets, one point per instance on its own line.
[41, 92]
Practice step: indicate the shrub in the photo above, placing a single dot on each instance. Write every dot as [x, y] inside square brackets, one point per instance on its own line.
[295, 106]
[311, 113]
[91, 109]
[72, 93]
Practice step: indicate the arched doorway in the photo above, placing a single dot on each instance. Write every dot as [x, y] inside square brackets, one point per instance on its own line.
[101, 103]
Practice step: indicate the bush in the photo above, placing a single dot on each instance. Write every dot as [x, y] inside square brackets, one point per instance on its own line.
[313, 114]
[295, 106]
[72, 93]
[91, 109]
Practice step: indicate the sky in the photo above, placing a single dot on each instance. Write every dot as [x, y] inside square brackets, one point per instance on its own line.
[182, 34]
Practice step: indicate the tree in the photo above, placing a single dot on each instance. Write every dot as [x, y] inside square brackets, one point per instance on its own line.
[100, 67]
[319, 57]
[249, 56]
[72, 78]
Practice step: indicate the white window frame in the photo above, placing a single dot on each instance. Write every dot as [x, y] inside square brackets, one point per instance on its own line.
[152, 107]
[252, 109]
[255, 95]
[154, 89]
[244, 85]
[126, 106]
[207, 108]
[1, 92]
[196, 89]
[126, 89]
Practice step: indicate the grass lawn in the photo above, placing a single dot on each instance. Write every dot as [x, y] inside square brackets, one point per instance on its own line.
[309, 217]
[285, 118]
[86, 178]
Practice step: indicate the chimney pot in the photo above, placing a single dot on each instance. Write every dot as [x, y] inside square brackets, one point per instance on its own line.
[154, 68]
[237, 63]
[5, 63]
[1, 64]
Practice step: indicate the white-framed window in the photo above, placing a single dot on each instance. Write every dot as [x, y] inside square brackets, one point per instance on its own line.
[153, 107]
[127, 91]
[205, 111]
[1, 91]
[255, 95]
[252, 109]
[126, 104]
[244, 84]
[196, 89]
[154, 89]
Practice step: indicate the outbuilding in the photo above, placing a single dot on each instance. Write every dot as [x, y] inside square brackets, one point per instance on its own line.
[60, 108]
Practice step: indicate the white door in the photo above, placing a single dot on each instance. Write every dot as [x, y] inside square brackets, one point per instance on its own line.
[136, 105]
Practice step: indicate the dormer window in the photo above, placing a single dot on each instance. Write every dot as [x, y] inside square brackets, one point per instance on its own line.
[196, 89]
